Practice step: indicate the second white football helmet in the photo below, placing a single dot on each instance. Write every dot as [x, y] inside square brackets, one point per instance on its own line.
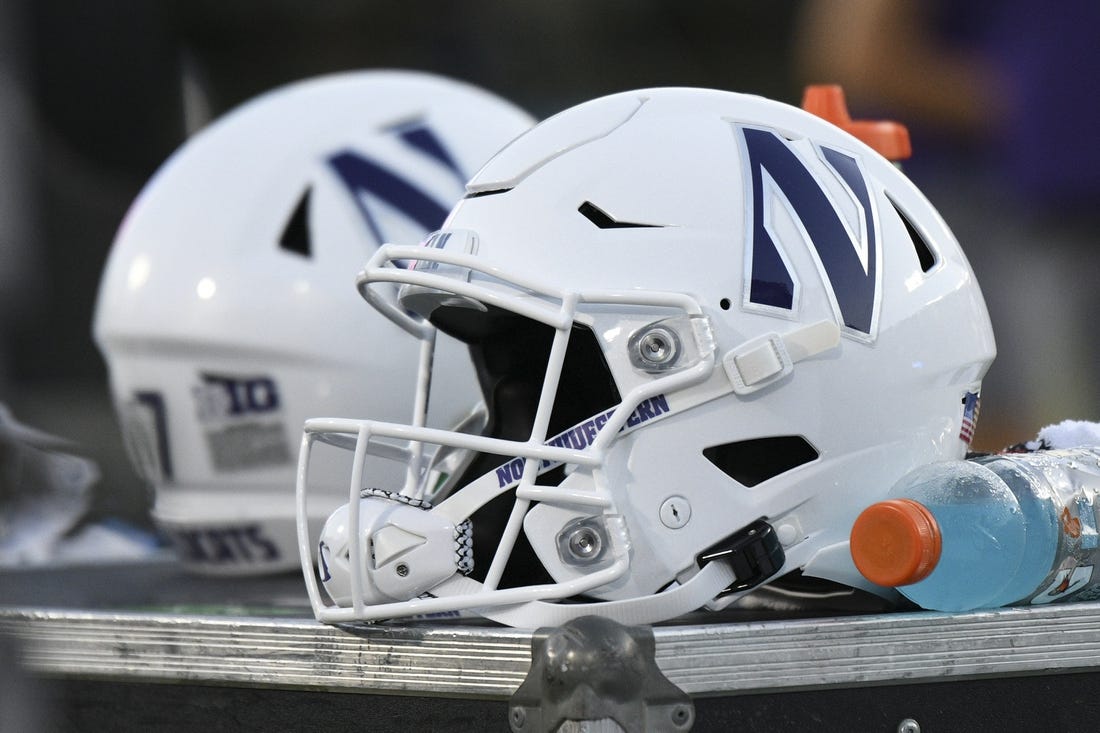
[227, 312]
[710, 328]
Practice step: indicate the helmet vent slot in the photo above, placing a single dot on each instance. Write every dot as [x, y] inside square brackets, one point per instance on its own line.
[295, 237]
[751, 462]
[925, 254]
[487, 192]
[603, 220]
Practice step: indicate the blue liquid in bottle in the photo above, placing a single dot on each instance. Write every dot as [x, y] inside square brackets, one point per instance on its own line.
[998, 544]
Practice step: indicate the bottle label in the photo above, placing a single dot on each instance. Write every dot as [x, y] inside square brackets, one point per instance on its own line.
[1068, 582]
[1079, 541]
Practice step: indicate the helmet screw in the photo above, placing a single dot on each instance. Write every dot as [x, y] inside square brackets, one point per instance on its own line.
[658, 347]
[681, 715]
[402, 570]
[585, 543]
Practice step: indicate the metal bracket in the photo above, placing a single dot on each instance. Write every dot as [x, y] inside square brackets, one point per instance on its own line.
[597, 672]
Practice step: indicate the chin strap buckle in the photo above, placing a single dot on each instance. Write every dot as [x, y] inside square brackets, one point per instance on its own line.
[759, 362]
[754, 552]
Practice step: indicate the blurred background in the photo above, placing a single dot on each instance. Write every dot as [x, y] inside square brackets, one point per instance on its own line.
[998, 98]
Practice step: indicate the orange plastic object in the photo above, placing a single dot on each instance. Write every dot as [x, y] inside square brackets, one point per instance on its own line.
[889, 138]
[896, 542]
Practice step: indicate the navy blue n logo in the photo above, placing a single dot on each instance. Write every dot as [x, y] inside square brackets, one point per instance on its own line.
[364, 176]
[847, 260]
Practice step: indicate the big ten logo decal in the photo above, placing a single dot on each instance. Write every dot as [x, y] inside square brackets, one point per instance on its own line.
[846, 248]
[223, 396]
[242, 419]
[375, 186]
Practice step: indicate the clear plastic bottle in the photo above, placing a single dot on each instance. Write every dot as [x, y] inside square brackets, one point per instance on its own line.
[994, 531]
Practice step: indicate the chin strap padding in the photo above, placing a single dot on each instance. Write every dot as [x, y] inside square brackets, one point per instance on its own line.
[463, 534]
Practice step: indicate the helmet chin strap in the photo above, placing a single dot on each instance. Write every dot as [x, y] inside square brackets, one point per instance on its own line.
[702, 588]
[699, 590]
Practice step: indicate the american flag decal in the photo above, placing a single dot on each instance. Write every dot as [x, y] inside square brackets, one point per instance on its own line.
[971, 405]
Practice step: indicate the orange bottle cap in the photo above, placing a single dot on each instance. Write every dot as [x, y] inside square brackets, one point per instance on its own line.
[896, 542]
[890, 139]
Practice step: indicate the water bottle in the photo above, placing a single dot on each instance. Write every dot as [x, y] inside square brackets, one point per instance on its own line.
[999, 530]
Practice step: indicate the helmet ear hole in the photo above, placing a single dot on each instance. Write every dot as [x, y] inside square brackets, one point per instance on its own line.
[751, 462]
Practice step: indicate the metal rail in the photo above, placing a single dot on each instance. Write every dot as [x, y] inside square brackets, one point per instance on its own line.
[463, 660]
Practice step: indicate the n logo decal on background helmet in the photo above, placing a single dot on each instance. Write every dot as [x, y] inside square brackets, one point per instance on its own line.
[421, 137]
[847, 260]
[365, 177]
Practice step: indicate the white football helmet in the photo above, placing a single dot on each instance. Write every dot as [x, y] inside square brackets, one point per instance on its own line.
[710, 329]
[227, 312]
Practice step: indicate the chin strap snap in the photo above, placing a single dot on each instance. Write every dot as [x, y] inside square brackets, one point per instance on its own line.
[754, 552]
[761, 361]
